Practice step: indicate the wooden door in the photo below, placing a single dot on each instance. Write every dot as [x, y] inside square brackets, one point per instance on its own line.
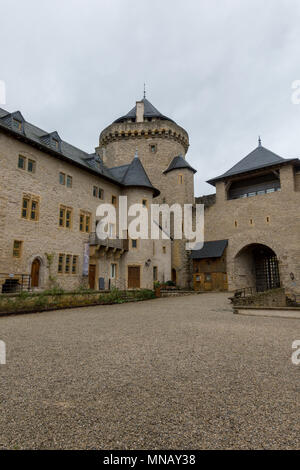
[92, 276]
[35, 273]
[134, 278]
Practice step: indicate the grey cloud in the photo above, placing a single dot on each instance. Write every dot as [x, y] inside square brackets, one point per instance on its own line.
[221, 69]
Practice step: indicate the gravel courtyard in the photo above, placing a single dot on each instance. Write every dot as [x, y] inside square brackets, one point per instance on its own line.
[171, 373]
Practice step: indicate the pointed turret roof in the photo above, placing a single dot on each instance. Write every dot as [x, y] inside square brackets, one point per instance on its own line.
[133, 174]
[259, 158]
[178, 163]
[149, 112]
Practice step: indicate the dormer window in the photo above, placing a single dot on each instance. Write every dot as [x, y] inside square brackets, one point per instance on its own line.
[52, 140]
[17, 124]
[55, 144]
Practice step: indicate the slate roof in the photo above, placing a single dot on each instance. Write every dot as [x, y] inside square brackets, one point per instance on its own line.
[149, 112]
[133, 174]
[257, 159]
[179, 162]
[212, 249]
[91, 162]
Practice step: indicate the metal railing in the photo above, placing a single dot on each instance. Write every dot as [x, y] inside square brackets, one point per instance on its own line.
[14, 283]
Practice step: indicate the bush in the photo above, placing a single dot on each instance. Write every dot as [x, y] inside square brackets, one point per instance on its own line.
[170, 283]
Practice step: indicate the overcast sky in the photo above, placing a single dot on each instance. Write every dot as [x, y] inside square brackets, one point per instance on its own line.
[221, 69]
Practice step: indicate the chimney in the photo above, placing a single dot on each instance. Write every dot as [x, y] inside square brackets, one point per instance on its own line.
[140, 111]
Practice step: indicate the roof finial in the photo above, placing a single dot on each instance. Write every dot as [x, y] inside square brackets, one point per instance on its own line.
[136, 155]
[259, 141]
[144, 90]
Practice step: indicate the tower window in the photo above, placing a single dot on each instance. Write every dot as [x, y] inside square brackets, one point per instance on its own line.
[180, 179]
[153, 148]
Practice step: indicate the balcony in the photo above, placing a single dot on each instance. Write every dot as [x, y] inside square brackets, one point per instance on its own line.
[109, 243]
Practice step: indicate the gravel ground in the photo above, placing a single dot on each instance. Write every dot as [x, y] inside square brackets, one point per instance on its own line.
[171, 373]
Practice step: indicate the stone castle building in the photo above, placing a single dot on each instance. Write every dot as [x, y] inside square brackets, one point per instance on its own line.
[50, 191]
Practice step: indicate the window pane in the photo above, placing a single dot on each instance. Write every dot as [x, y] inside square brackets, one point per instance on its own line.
[62, 178]
[31, 166]
[67, 267]
[81, 222]
[87, 224]
[61, 217]
[95, 191]
[69, 181]
[68, 219]
[60, 263]
[21, 163]
[74, 264]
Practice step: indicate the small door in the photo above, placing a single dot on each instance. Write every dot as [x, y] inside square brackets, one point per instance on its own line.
[92, 276]
[207, 281]
[35, 273]
[174, 276]
[134, 278]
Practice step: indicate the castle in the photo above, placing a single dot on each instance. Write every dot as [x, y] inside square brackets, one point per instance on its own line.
[50, 191]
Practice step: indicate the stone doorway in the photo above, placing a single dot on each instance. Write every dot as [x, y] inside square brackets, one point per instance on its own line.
[256, 265]
[35, 272]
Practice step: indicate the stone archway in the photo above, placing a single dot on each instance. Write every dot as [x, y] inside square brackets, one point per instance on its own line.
[256, 266]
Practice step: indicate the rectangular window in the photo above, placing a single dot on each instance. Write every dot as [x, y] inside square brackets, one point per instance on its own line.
[100, 193]
[31, 166]
[114, 201]
[134, 243]
[30, 208]
[69, 181]
[21, 162]
[74, 264]
[62, 178]
[65, 217]
[61, 258]
[17, 124]
[25, 206]
[85, 222]
[180, 179]
[154, 273]
[17, 249]
[113, 270]
[81, 222]
[34, 210]
[68, 218]
[145, 203]
[95, 190]
[164, 250]
[55, 143]
[68, 263]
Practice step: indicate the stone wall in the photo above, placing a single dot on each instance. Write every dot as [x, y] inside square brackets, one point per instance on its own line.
[269, 219]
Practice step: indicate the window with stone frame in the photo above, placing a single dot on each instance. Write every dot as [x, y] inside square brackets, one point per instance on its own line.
[65, 217]
[30, 208]
[17, 249]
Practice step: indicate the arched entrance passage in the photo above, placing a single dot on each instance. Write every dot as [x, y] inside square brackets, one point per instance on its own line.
[35, 272]
[256, 265]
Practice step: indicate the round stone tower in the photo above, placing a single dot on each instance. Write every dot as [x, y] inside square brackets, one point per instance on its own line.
[157, 138]
[161, 146]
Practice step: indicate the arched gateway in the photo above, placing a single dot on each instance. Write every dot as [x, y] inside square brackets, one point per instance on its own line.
[256, 265]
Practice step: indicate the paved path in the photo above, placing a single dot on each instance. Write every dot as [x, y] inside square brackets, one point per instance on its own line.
[170, 373]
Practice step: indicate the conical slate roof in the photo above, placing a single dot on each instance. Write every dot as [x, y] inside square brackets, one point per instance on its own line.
[133, 174]
[257, 159]
[149, 112]
[179, 162]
